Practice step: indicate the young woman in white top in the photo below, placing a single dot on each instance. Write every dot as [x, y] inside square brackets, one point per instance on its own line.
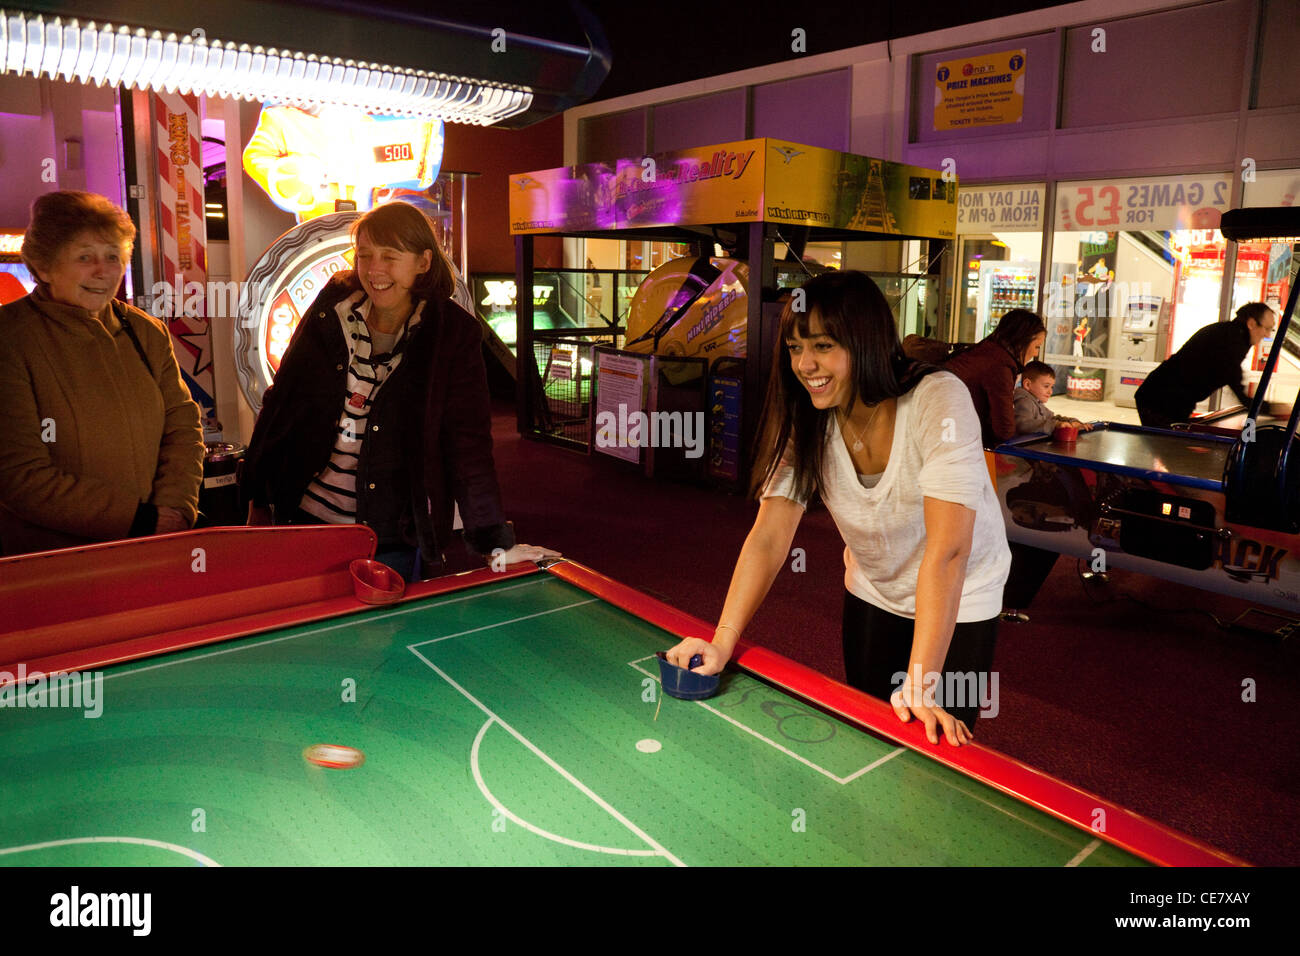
[893, 448]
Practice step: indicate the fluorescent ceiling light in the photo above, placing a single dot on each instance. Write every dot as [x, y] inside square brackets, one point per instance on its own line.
[135, 58]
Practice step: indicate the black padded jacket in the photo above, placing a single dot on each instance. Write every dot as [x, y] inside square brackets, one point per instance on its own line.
[428, 442]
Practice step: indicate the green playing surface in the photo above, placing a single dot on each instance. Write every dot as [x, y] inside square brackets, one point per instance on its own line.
[508, 724]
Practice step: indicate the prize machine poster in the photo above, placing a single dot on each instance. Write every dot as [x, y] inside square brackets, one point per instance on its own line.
[980, 91]
[326, 166]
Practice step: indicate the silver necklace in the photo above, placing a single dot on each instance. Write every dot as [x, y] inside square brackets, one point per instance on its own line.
[857, 436]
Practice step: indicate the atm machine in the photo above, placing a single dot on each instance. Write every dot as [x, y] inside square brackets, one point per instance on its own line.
[1144, 337]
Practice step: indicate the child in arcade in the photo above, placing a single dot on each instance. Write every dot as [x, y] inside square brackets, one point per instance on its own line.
[892, 447]
[379, 414]
[1029, 401]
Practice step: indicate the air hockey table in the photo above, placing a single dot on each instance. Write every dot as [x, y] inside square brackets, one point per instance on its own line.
[1150, 500]
[505, 717]
[1230, 421]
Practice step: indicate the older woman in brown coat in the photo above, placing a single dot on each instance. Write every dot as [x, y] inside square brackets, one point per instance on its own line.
[103, 439]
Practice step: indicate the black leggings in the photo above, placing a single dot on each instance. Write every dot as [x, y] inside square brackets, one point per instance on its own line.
[1030, 567]
[877, 646]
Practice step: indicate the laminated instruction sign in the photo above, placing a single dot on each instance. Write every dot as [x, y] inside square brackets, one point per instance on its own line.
[984, 90]
[620, 404]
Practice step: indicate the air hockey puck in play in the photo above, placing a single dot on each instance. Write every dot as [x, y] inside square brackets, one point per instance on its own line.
[334, 756]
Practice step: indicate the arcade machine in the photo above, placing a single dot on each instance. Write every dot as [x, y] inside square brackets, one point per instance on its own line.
[717, 311]
[1215, 511]
[495, 297]
[691, 306]
[15, 279]
[279, 289]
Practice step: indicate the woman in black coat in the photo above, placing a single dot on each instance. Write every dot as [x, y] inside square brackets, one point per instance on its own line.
[380, 414]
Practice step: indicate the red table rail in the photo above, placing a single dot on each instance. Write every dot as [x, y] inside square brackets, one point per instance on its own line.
[1128, 830]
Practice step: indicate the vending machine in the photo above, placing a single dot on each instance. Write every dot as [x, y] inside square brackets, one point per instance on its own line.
[1144, 337]
[1005, 286]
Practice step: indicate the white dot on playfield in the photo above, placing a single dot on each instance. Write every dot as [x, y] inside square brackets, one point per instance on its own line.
[649, 746]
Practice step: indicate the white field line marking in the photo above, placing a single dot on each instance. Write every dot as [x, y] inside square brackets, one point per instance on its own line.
[478, 779]
[976, 793]
[661, 850]
[978, 796]
[772, 743]
[874, 764]
[1033, 824]
[139, 841]
[347, 622]
[1084, 853]
[488, 627]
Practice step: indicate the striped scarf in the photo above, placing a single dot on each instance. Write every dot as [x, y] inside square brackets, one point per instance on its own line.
[332, 494]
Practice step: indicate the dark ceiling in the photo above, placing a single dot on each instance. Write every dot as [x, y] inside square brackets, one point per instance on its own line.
[652, 43]
[657, 43]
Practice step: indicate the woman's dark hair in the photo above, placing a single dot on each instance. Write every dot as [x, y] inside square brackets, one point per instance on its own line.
[854, 312]
[59, 217]
[1016, 329]
[400, 225]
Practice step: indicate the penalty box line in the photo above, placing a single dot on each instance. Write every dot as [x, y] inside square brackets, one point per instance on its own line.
[546, 758]
[1024, 820]
[635, 665]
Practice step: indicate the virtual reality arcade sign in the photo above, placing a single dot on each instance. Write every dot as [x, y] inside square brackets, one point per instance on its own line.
[755, 180]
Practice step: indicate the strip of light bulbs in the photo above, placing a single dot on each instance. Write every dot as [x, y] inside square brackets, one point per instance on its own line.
[104, 54]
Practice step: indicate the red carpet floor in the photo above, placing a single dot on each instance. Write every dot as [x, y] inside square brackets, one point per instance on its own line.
[1127, 689]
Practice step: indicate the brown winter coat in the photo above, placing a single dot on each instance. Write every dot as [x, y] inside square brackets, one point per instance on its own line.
[96, 440]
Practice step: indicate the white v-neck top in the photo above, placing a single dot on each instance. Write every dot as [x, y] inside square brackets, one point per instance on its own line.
[936, 453]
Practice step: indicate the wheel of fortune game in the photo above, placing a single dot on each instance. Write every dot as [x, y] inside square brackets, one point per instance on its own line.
[691, 307]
